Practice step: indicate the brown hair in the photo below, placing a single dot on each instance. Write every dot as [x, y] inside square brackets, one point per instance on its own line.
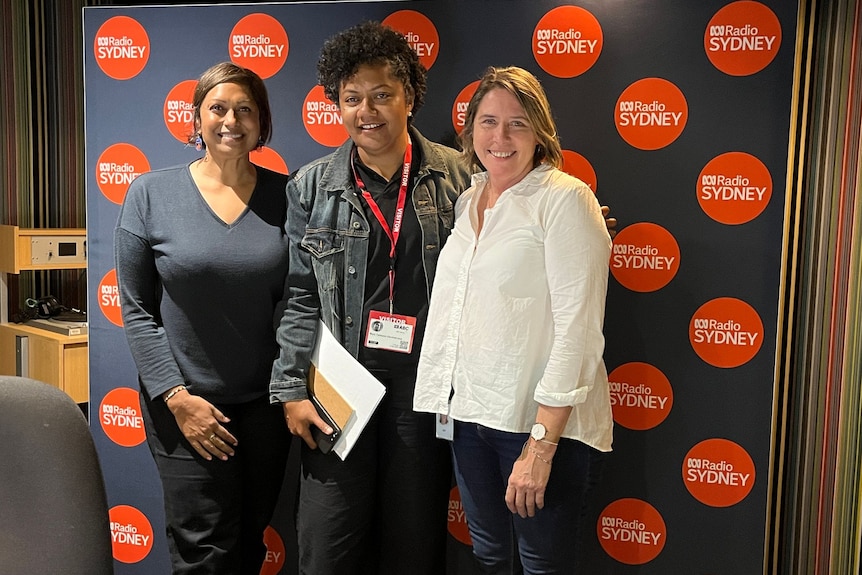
[228, 72]
[527, 89]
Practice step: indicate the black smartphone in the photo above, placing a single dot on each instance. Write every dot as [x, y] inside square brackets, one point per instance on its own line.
[325, 442]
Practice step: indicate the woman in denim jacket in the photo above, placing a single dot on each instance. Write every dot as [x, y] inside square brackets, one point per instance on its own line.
[384, 508]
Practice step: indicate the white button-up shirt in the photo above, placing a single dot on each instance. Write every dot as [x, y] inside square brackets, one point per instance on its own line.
[516, 313]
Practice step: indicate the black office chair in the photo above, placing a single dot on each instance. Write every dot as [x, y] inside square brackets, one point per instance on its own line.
[53, 508]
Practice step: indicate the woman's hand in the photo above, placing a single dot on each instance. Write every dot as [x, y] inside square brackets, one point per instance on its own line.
[201, 423]
[611, 223]
[529, 478]
[300, 416]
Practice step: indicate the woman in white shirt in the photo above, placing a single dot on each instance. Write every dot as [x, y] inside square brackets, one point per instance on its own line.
[513, 345]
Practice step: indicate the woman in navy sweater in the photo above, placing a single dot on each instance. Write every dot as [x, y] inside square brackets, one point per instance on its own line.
[201, 257]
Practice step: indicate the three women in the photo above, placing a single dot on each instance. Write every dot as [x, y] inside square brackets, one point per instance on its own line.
[366, 225]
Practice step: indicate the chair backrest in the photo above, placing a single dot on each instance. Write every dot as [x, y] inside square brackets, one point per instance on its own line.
[53, 507]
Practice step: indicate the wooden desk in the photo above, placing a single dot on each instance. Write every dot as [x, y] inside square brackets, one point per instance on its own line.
[60, 360]
[56, 359]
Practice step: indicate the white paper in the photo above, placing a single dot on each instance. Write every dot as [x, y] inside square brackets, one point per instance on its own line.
[349, 378]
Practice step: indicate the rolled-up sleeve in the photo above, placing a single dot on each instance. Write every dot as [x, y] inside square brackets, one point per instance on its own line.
[577, 251]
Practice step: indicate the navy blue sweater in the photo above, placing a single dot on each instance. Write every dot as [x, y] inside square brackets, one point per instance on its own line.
[199, 296]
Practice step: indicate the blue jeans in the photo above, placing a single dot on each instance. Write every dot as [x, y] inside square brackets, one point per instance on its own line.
[503, 542]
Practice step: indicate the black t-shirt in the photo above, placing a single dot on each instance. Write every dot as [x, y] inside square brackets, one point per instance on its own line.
[410, 297]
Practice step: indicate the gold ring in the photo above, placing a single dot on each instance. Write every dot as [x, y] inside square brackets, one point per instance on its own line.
[212, 436]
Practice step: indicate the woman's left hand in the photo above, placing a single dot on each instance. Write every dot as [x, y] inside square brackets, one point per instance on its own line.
[526, 490]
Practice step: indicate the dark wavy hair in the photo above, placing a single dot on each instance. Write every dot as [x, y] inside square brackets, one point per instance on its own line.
[228, 72]
[370, 43]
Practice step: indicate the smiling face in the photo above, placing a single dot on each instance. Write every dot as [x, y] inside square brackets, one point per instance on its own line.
[229, 121]
[503, 138]
[374, 106]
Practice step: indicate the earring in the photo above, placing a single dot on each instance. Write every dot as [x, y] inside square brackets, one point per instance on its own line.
[199, 144]
[410, 114]
[260, 143]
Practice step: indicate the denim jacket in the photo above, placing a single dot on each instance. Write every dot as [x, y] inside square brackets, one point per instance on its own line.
[328, 237]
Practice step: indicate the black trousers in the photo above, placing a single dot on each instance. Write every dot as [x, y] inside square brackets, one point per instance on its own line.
[216, 511]
[383, 510]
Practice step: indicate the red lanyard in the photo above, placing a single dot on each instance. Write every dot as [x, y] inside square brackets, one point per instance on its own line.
[395, 231]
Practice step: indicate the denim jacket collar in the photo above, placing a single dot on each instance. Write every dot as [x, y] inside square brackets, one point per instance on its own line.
[338, 177]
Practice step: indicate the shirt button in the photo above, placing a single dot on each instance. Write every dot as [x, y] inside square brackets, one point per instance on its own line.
[356, 225]
[351, 270]
[348, 320]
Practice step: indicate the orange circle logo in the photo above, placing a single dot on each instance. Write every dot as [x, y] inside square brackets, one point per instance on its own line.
[718, 472]
[131, 534]
[322, 119]
[109, 298]
[118, 165]
[420, 33]
[651, 113]
[179, 110]
[258, 42]
[274, 560]
[645, 257]
[578, 166]
[122, 47]
[268, 158]
[631, 531]
[734, 188]
[726, 332]
[457, 523]
[567, 41]
[641, 396]
[459, 108]
[120, 416]
[742, 38]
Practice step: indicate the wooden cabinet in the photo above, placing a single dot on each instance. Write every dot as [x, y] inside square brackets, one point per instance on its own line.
[60, 360]
[57, 359]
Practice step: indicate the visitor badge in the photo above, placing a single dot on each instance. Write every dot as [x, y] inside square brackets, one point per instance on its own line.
[390, 331]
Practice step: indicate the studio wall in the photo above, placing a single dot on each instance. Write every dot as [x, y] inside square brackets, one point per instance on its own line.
[676, 113]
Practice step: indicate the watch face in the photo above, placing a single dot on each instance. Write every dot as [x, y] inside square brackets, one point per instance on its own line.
[538, 432]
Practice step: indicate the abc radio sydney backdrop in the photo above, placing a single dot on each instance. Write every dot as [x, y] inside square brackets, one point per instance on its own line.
[676, 113]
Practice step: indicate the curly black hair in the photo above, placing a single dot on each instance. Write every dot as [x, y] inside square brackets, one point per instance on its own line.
[374, 44]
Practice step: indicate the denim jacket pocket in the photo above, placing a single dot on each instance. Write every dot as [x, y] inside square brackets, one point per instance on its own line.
[447, 216]
[323, 242]
[327, 249]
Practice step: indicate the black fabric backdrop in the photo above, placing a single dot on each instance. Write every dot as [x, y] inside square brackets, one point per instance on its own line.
[659, 38]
